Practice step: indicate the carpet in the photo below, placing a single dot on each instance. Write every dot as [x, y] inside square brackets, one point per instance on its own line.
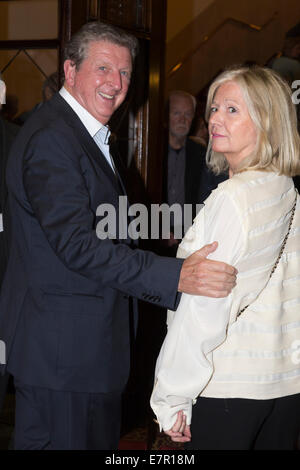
[137, 440]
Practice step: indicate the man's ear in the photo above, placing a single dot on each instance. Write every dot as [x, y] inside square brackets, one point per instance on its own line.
[70, 72]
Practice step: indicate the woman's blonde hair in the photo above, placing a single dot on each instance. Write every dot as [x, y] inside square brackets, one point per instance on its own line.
[269, 101]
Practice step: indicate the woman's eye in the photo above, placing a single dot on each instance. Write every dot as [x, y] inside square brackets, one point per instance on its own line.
[102, 67]
[232, 109]
[213, 109]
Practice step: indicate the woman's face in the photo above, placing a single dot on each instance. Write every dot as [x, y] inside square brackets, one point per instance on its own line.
[231, 129]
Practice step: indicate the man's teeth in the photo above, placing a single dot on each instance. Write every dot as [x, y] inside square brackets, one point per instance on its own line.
[110, 97]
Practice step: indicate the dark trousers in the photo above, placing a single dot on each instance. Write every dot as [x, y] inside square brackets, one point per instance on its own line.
[56, 420]
[3, 388]
[241, 424]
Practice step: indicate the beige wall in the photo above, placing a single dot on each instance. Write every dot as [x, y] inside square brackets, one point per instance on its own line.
[27, 19]
[24, 81]
[232, 43]
[180, 13]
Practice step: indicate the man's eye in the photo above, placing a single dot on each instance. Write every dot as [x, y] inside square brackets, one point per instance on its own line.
[125, 73]
[102, 67]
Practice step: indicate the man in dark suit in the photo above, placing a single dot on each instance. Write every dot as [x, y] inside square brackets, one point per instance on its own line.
[8, 132]
[189, 181]
[64, 312]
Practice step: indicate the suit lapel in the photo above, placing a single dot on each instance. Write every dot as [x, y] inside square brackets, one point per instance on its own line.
[119, 166]
[84, 139]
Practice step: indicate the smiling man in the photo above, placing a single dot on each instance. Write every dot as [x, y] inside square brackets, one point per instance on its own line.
[101, 82]
[64, 308]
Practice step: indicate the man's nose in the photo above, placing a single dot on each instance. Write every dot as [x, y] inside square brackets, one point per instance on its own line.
[182, 118]
[116, 80]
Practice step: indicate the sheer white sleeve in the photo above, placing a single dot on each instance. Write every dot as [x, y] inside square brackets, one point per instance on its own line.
[199, 325]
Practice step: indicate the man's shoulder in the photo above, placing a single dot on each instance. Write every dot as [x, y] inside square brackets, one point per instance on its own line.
[56, 109]
[46, 128]
[195, 148]
[11, 129]
[195, 155]
[287, 67]
[51, 115]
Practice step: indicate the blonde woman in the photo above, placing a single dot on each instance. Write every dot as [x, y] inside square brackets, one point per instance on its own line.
[228, 373]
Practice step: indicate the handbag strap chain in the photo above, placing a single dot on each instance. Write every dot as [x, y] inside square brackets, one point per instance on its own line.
[282, 247]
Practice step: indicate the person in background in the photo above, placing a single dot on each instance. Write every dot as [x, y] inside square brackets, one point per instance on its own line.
[228, 374]
[188, 180]
[200, 131]
[8, 132]
[288, 64]
[49, 88]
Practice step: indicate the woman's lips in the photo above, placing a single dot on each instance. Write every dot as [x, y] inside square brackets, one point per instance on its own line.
[215, 136]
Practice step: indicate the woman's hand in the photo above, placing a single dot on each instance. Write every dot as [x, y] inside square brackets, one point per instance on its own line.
[180, 432]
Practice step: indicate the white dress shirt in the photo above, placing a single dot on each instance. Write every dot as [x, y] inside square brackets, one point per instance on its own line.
[99, 132]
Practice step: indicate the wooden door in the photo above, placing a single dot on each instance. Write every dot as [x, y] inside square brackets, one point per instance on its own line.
[138, 123]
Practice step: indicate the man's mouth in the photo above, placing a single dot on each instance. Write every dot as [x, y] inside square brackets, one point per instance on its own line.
[106, 96]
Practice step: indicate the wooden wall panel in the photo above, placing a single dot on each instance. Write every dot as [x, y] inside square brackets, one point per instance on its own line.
[146, 19]
[134, 14]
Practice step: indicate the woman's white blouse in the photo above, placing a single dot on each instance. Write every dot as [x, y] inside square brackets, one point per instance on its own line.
[248, 215]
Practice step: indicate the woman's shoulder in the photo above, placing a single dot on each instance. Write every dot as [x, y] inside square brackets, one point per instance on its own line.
[253, 181]
[249, 187]
[238, 183]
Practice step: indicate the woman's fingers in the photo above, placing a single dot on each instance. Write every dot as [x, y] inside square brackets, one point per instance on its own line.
[180, 432]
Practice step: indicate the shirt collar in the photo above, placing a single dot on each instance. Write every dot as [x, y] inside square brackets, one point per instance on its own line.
[91, 124]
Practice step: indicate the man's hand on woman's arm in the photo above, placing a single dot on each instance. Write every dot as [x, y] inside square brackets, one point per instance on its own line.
[202, 276]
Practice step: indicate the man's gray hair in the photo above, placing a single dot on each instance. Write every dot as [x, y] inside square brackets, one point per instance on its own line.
[76, 49]
[184, 94]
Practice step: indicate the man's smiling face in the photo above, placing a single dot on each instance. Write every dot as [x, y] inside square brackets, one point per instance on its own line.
[101, 82]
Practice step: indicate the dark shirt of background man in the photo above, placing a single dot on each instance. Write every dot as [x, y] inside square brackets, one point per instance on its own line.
[188, 179]
[8, 132]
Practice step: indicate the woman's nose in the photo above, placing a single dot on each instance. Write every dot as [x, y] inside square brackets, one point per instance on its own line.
[216, 119]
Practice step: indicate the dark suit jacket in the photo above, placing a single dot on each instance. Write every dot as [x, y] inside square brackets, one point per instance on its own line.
[199, 180]
[64, 312]
[8, 132]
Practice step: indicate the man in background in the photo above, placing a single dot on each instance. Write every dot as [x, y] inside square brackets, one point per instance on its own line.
[188, 179]
[49, 88]
[8, 132]
[288, 64]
